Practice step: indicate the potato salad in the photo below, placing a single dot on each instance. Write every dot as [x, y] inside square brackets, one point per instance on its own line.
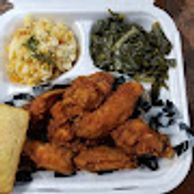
[40, 51]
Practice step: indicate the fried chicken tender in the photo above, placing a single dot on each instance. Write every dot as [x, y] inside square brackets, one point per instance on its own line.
[137, 138]
[61, 134]
[50, 157]
[41, 104]
[88, 92]
[61, 113]
[116, 109]
[39, 112]
[105, 140]
[76, 146]
[103, 158]
[85, 94]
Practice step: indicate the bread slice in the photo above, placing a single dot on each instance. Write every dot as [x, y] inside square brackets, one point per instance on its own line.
[13, 127]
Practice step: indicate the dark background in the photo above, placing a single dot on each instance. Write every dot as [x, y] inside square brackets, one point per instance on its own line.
[183, 13]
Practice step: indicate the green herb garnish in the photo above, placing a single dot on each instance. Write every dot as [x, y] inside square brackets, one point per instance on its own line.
[117, 45]
[32, 44]
[45, 58]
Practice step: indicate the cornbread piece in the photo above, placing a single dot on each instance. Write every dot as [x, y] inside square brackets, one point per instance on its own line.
[13, 127]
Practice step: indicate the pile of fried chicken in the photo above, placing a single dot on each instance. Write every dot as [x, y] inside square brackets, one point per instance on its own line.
[87, 126]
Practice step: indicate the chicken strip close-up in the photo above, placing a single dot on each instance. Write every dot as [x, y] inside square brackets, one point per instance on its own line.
[39, 113]
[89, 92]
[103, 158]
[137, 138]
[116, 110]
[85, 94]
[41, 104]
[60, 135]
[50, 157]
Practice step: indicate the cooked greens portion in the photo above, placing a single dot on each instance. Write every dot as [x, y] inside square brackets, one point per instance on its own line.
[117, 45]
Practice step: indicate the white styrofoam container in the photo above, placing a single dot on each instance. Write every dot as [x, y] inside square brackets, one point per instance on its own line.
[80, 15]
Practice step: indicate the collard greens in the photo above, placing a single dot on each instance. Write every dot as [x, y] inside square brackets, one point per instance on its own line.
[117, 45]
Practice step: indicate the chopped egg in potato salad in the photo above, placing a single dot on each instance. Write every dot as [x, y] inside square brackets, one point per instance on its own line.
[40, 51]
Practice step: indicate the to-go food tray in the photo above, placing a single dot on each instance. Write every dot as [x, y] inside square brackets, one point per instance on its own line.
[80, 15]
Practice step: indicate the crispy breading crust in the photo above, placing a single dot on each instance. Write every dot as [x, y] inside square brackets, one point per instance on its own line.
[88, 127]
[85, 94]
[103, 158]
[135, 137]
[41, 104]
[50, 156]
[118, 107]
